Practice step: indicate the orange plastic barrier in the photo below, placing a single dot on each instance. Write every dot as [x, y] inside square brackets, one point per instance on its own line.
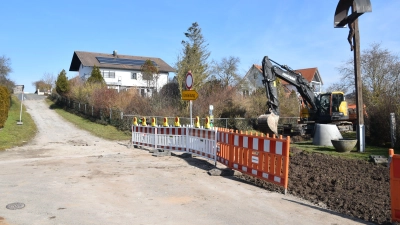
[260, 156]
[395, 185]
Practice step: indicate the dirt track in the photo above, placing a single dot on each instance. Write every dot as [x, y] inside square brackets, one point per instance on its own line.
[67, 176]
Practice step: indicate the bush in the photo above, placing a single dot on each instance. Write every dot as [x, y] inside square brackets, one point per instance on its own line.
[4, 105]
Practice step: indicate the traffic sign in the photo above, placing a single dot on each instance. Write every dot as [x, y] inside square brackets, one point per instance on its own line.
[189, 95]
[189, 80]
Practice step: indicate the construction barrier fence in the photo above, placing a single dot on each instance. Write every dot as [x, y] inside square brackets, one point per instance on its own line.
[260, 156]
[264, 157]
[202, 142]
[394, 164]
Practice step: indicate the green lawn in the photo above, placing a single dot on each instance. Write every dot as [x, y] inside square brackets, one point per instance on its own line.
[16, 135]
[104, 131]
[369, 150]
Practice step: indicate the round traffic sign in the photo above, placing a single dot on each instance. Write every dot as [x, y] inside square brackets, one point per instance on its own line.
[189, 80]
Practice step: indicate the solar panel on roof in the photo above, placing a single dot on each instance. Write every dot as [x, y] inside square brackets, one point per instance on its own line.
[133, 62]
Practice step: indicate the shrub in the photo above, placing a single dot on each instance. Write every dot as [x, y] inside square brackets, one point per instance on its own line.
[4, 105]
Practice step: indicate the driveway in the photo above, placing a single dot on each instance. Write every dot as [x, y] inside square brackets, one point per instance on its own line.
[67, 176]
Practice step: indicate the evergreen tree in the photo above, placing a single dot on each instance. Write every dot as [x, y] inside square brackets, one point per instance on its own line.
[62, 84]
[193, 58]
[95, 76]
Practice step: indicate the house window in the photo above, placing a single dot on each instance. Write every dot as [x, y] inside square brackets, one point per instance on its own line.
[134, 76]
[108, 74]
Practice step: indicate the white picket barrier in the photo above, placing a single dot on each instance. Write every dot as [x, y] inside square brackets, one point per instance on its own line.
[144, 136]
[172, 138]
[202, 142]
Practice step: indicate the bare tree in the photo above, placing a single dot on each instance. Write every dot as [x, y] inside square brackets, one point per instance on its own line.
[46, 83]
[380, 70]
[49, 79]
[5, 70]
[227, 70]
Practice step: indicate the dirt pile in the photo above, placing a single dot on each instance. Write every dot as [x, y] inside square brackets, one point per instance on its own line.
[352, 187]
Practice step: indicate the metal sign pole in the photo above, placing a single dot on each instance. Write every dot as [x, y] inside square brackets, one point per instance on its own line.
[191, 121]
[20, 113]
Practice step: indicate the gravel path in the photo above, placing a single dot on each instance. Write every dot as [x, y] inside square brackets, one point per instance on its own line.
[67, 176]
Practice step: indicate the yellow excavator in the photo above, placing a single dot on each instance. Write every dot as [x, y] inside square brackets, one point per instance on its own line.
[325, 108]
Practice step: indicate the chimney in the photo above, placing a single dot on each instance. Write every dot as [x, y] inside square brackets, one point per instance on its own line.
[115, 53]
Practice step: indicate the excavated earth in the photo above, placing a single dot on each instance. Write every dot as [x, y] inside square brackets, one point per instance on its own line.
[353, 187]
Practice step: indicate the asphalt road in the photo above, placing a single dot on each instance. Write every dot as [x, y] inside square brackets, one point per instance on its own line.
[67, 176]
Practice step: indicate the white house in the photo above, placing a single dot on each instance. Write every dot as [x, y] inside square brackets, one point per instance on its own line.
[253, 79]
[121, 72]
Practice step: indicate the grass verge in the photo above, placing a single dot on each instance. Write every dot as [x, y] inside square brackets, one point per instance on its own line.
[103, 131]
[13, 135]
[330, 150]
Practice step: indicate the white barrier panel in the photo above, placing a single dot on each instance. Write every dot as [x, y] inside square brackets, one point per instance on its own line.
[144, 136]
[202, 142]
[171, 138]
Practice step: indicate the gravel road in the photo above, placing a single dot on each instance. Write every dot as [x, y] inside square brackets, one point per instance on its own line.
[67, 176]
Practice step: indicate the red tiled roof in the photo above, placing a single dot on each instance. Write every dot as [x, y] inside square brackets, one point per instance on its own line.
[258, 67]
[307, 73]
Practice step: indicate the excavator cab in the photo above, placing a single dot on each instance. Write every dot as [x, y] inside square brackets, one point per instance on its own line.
[332, 107]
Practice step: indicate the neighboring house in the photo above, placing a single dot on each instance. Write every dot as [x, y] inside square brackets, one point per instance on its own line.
[121, 72]
[253, 80]
[18, 89]
[43, 92]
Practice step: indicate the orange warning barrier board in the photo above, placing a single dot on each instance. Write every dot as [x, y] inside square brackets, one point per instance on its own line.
[395, 185]
[260, 156]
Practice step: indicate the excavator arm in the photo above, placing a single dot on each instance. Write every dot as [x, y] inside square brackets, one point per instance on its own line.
[268, 122]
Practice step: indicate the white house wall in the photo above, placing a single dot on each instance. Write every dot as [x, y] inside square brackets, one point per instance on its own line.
[85, 71]
[123, 78]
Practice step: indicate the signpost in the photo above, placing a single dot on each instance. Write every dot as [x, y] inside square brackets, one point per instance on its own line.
[189, 80]
[189, 94]
[20, 113]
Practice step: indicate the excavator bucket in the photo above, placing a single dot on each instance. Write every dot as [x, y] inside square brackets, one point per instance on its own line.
[268, 123]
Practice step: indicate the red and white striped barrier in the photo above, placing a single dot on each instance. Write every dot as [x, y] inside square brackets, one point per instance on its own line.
[172, 138]
[144, 136]
[202, 142]
[261, 152]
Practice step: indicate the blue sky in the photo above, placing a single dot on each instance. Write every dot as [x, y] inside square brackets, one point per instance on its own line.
[40, 36]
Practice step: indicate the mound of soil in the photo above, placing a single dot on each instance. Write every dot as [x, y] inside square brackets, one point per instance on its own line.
[352, 187]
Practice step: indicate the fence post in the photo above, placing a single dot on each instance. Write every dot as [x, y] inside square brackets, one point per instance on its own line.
[393, 129]
[92, 110]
